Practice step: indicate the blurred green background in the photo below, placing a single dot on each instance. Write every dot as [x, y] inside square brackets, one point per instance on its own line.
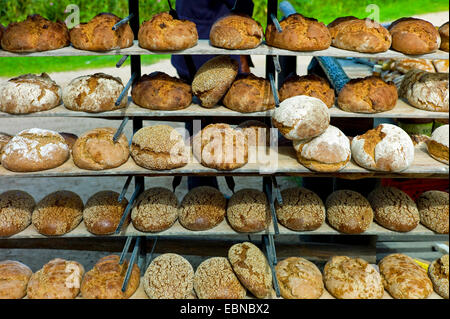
[323, 10]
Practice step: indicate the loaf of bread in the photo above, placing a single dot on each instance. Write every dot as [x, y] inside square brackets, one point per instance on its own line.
[169, 276]
[441, 66]
[105, 280]
[256, 132]
[352, 278]
[16, 208]
[164, 33]
[368, 95]
[58, 213]
[96, 150]
[414, 36]
[360, 35]
[14, 277]
[248, 94]
[301, 117]
[438, 144]
[299, 279]
[328, 152]
[215, 279]
[386, 148]
[299, 34]
[35, 150]
[155, 210]
[98, 35]
[159, 91]
[29, 93]
[426, 91]
[433, 210]
[438, 272]
[394, 209]
[236, 32]
[405, 65]
[4, 139]
[443, 32]
[94, 93]
[35, 34]
[57, 279]
[159, 147]
[252, 269]
[2, 31]
[403, 278]
[213, 79]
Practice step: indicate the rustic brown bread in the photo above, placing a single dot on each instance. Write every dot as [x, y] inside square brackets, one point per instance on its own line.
[69, 138]
[236, 32]
[96, 150]
[252, 269]
[57, 279]
[299, 34]
[16, 208]
[443, 32]
[4, 139]
[406, 65]
[35, 34]
[438, 145]
[29, 93]
[414, 36]
[159, 91]
[403, 278]
[438, 272]
[213, 79]
[14, 277]
[361, 35]
[2, 31]
[249, 93]
[103, 212]
[105, 280]
[97, 34]
[58, 213]
[164, 33]
[433, 210]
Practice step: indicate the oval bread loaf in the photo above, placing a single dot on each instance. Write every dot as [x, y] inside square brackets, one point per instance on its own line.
[14, 277]
[438, 272]
[16, 208]
[433, 209]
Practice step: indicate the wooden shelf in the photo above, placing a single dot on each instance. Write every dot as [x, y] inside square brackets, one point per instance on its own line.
[203, 47]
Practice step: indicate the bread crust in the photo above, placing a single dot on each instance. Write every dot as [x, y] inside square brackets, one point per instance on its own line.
[406, 65]
[236, 32]
[16, 208]
[4, 139]
[433, 210]
[438, 145]
[443, 32]
[438, 272]
[14, 277]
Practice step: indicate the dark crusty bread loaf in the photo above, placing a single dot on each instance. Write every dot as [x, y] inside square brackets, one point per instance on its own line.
[35, 34]
[443, 32]
[16, 208]
[236, 32]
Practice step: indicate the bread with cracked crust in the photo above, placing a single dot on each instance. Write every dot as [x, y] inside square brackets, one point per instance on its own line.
[236, 32]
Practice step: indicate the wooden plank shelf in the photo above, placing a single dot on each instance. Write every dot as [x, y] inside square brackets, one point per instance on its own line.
[203, 47]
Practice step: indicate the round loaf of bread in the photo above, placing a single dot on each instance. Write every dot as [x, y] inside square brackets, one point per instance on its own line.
[58, 279]
[433, 210]
[29, 93]
[103, 212]
[155, 210]
[438, 145]
[301, 117]
[248, 211]
[164, 33]
[299, 34]
[35, 150]
[368, 95]
[299, 279]
[14, 277]
[215, 279]
[328, 152]
[169, 276]
[256, 132]
[236, 32]
[394, 209]
[98, 35]
[16, 208]
[159, 91]
[403, 278]
[443, 32]
[352, 278]
[58, 213]
[386, 148]
[213, 79]
[159, 147]
[438, 272]
[94, 93]
[426, 91]
[405, 65]
[35, 34]
[96, 150]
[360, 35]
[248, 94]
[251, 267]
[221, 147]
[349, 212]
[105, 280]
[202, 208]
[4, 139]
[441, 65]
[310, 85]
[414, 36]
[302, 209]
[69, 138]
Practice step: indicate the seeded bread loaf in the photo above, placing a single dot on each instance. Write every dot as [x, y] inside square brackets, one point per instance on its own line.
[433, 210]
[438, 144]
[16, 208]
[14, 277]
[438, 272]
